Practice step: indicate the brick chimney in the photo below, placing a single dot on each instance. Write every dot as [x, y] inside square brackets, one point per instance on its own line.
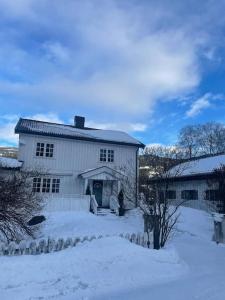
[79, 122]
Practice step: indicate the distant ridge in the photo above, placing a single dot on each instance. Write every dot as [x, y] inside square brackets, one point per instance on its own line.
[8, 152]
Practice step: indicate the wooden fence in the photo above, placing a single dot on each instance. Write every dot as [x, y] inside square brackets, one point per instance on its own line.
[52, 245]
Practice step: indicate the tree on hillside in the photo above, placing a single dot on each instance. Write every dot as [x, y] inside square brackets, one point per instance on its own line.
[202, 139]
[188, 140]
[18, 204]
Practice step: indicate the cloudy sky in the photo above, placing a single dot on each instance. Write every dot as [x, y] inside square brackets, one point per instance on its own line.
[147, 67]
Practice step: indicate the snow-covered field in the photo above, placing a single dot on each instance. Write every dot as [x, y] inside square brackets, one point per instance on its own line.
[190, 267]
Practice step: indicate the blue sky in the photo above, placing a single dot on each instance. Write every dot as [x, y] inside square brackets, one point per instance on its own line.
[146, 67]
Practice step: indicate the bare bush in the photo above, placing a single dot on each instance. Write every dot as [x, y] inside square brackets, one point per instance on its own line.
[18, 203]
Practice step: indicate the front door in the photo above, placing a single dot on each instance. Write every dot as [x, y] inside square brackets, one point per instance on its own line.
[97, 191]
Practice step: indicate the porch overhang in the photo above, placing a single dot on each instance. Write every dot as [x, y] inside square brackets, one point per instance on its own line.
[101, 173]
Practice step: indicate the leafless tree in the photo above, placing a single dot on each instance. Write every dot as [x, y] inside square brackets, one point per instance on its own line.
[188, 140]
[211, 138]
[18, 204]
[202, 139]
[157, 203]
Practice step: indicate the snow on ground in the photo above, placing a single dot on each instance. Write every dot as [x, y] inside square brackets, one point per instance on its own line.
[190, 267]
[89, 269]
[72, 224]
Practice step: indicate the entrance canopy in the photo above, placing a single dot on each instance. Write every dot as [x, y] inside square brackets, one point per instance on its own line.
[101, 173]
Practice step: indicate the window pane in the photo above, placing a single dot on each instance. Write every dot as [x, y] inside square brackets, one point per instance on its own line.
[49, 150]
[55, 185]
[46, 185]
[110, 155]
[171, 194]
[103, 154]
[36, 185]
[189, 195]
[40, 149]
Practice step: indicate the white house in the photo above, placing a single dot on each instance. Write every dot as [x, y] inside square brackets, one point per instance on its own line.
[194, 182]
[74, 157]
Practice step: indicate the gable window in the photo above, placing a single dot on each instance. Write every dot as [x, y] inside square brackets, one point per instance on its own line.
[170, 194]
[110, 155]
[103, 153]
[46, 185]
[49, 150]
[36, 185]
[40, 149]
[55, 185]
[189, 195]
[107, 155]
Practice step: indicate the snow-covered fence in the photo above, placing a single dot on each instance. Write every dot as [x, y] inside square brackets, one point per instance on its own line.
[52, 245]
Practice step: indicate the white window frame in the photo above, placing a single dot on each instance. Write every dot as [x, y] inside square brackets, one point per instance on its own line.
[45, 149]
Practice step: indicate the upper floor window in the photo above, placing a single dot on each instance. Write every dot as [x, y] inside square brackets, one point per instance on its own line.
[110, 155]
[43, 149]
[189, 195]
[40, 149]
[49, 150]
[103, 154]
[107, 155]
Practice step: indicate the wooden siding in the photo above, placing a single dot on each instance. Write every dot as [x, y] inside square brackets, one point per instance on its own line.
[72, 157]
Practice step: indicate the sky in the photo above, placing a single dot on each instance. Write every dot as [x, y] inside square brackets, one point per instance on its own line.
[145, 67]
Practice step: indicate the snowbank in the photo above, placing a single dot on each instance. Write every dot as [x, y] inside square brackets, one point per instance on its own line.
[91, 269]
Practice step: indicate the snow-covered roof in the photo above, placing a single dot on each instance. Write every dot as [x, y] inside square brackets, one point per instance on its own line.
[69, 131]
[199, 166]
[9, 163]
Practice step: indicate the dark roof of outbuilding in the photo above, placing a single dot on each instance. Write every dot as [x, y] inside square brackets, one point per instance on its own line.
[29, 126]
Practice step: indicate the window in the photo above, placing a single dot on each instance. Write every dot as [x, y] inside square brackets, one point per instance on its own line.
[212, 195]
[103, 154]
[43, 149]
[49, 150]
[36, 185]
[189, 195]
[110, 155]
[107, 155]
[171, 194]
[46, 185]
[55, 185]
[40, 149]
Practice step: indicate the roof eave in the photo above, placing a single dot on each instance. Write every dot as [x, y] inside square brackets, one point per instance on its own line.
[18, 130]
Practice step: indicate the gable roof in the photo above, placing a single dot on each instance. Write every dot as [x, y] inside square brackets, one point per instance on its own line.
[107, 171]
[196, 167]
[9, 163]
[70, 132]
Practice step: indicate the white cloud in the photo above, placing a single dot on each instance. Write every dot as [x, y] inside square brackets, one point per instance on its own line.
[128, 127]
[202, 103]
[110, 56]
[8, 123]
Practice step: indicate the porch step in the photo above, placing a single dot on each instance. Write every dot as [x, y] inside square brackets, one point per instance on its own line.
[104, 211]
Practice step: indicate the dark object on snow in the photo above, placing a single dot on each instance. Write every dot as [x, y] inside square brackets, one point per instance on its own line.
[36, 220]
[121, 203]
